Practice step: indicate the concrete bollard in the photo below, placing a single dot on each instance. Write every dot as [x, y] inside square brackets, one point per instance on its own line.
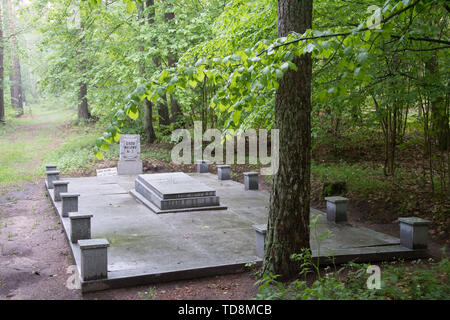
[224, 172]
[251, 180]
[94, 259]
[260, 238]
[52, 176]
[337, 209]
[414, 232]
[50, 167]
[80, 226]
[69, 203]
[202, 166]
[59, 187]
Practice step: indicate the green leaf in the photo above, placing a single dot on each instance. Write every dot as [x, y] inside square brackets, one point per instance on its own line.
[99, 141]
[192, 83]
[117, 137]
[120, 115]
[133, 113]
[104, 147]
[130, 6]
[279, 73]
[292, 66]
[284, 67]
[236, 117]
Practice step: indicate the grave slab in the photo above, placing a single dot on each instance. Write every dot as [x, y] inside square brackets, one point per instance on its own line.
[174, 192]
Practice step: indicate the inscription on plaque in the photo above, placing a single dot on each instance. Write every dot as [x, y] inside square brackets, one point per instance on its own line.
[130, 147]
[130, 150]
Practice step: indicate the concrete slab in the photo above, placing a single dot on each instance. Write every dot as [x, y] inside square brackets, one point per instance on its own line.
[146, 247]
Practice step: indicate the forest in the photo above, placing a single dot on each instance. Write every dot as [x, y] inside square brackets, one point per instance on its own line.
[357, 89]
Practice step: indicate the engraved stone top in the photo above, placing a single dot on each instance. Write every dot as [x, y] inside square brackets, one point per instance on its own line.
[130, 147]
[175, 185]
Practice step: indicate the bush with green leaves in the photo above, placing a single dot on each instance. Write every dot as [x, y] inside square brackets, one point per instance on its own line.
[399, 281]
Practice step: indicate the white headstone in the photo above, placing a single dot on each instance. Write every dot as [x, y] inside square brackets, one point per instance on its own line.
[130, 151]
[130, 147]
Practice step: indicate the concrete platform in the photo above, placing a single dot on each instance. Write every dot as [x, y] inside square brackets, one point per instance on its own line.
[147, 248]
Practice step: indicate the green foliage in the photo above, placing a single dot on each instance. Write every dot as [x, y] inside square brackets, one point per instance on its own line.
[244, 63]
[76, 153]
[399, 281]
[361, 179]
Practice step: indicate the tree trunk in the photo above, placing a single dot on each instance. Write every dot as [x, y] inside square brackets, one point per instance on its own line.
[83, 105]
[288, 223]
[439, 111]
[83, 109]
[15, 75]
[148, 105]
[2, 101]
[163, 112]
[148, 121]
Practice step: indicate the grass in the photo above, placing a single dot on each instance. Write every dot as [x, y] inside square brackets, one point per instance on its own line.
[75, 153]
[25, 141]
[39, 137]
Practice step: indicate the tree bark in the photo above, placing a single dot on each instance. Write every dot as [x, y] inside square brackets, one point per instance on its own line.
[439, 110]
[83, 103]
[83, 106]
[2, 77]
[288, 222]
[15, 75]
[148, 105]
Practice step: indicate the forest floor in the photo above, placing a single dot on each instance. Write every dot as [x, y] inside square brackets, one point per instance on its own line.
[35, 260]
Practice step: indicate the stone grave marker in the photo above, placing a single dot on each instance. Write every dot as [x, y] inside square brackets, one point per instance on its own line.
[130, 150]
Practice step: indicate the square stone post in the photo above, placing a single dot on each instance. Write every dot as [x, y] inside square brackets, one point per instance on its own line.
[60, 186]
[251, 180]
[337, 209]
[52, 176]
[260, 238]
[224, 172]
[50, 167]
[69, 203]
[414, 232]
[80, 226]
[202, 166]
[94, 259]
